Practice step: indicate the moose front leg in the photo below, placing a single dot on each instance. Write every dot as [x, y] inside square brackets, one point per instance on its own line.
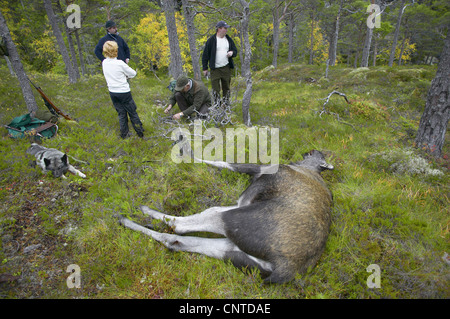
[210, 220]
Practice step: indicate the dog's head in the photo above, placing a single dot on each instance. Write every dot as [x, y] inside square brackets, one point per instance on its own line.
[57, 165]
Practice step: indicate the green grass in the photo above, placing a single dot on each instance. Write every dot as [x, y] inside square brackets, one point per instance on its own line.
[383, 215]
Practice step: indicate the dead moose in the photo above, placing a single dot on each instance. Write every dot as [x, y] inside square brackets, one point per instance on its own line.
[280, 223]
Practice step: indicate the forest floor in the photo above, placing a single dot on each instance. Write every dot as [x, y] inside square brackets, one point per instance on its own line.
[391, 200]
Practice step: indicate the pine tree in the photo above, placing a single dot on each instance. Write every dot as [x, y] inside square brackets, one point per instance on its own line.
[18, 67]
[433, 124]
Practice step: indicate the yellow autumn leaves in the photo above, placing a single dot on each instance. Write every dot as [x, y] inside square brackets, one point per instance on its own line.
[152, 42]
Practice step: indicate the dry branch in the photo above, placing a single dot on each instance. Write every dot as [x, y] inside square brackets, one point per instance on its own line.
[220, 114]
[324, 110]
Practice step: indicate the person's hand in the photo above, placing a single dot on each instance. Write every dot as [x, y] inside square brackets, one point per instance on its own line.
[229, 53]
[127, 60]
[168, 109]
[177, 116]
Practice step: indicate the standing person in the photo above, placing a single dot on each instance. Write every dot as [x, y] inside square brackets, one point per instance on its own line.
[191, 96]
[117, 73]
[112, 35]
[218, 55]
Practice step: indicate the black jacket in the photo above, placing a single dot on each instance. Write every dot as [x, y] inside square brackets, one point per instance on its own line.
[209, 53]
[122, 54]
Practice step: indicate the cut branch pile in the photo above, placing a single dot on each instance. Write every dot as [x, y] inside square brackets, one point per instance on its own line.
[220, 114]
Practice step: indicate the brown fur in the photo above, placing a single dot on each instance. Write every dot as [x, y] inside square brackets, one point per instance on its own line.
[292, 225]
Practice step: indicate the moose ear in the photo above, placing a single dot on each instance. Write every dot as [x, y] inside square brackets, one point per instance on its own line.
[47, 162]
[64, 159]
[310, 153]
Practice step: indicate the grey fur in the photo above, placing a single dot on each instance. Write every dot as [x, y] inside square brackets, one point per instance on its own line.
[280, 224]
[52, 160]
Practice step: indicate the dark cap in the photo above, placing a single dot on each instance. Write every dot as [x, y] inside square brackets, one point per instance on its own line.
[110, 24]
[222, 24]
[181, 82]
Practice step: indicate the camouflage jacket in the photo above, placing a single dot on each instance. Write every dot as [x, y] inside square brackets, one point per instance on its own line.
[196, 96]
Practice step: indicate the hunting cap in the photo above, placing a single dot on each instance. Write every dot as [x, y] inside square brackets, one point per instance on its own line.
[181, 82]
[110, 24]
[222, 24]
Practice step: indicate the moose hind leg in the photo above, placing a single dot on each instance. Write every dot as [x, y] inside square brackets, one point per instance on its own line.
[219, 248]
[213, 247]
[210, 220]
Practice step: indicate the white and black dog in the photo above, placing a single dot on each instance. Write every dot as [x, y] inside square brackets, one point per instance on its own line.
[280, 223]
[52, 160]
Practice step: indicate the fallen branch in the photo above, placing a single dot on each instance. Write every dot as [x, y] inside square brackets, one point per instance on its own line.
[328, 99]
[324, 110]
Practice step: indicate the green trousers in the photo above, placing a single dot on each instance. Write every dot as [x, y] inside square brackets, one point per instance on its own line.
[221, 77]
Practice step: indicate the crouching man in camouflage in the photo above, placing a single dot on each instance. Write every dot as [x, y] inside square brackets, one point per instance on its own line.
[192, 96]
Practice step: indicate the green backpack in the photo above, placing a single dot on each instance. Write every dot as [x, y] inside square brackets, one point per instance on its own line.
[25, 125]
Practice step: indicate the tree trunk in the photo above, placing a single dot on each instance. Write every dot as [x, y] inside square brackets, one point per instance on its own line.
[80, 53]
[375, 50]
[89, 57]
[291, 37]
[396, 33]
[8, 63]
[276, 34]
[433, 123]
[241, 37]
[176, 63]
[27, 92]
[349, 55]
[311, 43]
[59, 39]
[189, 18]
[246, 71]
[334, 38]
[277, 18]
[366, 50]
[73, 55]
